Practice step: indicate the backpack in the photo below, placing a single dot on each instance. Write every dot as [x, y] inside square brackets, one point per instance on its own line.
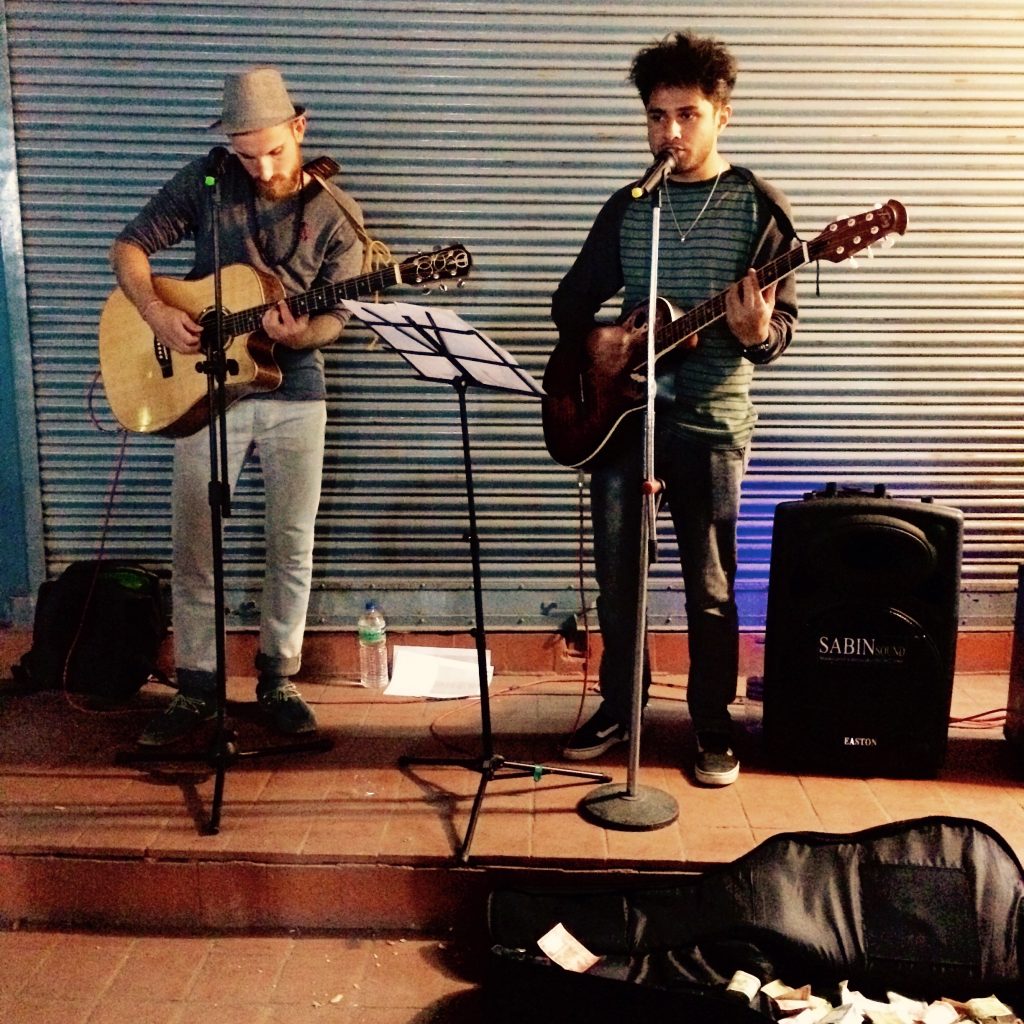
[97, 630]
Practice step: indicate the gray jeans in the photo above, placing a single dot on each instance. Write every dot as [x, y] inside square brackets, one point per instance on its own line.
[289, 437]
[702, 491]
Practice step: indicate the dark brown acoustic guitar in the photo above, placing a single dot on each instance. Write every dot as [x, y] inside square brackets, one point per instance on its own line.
[586, 398]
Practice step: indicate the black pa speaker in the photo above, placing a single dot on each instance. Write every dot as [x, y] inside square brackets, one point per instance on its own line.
[860, 635]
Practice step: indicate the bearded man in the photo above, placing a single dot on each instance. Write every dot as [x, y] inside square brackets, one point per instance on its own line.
[278, 219]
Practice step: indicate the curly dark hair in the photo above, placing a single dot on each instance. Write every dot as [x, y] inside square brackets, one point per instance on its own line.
[686, 59]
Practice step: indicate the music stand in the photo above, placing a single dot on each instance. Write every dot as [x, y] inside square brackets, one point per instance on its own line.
[441, 347]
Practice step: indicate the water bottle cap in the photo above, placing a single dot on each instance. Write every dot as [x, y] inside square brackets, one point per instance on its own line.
[371, 606]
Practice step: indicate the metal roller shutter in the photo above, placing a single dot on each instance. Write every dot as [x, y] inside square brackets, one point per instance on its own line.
[503, 126]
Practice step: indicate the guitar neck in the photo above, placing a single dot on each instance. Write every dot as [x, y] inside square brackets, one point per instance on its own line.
[695, 320]
[315, 301]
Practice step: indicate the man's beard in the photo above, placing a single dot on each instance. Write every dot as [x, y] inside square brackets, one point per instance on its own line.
[281, 185]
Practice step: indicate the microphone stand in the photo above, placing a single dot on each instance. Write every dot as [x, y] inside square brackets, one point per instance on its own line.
[223, 748]
[634, 807]
[217, 367]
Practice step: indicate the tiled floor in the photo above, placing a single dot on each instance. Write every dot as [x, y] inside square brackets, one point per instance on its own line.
[197, 927]
[75, 977]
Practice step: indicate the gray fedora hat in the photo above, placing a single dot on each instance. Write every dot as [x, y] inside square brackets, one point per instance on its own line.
[255, 99]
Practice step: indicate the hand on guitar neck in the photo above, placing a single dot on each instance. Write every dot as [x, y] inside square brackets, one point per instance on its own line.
[748, 309]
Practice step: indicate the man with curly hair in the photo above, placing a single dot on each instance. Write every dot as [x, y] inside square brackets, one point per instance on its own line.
[722, 223]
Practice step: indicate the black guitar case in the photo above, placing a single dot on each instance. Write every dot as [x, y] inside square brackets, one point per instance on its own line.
[929, 908]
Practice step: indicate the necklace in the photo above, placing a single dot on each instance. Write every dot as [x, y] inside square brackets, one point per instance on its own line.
[707, 202]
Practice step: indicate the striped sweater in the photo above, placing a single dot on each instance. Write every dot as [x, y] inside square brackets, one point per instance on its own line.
[705, 392]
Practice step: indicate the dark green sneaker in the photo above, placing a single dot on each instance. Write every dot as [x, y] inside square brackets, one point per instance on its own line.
[285, 710]
[183, 716]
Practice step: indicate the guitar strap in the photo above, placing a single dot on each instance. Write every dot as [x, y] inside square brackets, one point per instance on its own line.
[376, 253]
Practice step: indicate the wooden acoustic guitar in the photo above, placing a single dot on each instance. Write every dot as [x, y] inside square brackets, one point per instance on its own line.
[585, 399]
[153, 390]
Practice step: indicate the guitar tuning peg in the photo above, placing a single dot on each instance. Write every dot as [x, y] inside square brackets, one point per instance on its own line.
[870, 252]
[461, 281]
[853, 262]
[888, 242]
[442, 287]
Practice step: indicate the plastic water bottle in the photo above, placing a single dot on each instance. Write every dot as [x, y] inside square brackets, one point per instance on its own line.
[373, 647]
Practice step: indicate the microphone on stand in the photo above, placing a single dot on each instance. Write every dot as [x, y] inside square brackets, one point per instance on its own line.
[665, 164]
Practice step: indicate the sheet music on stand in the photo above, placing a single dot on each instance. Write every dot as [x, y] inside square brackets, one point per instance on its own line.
[439, 345]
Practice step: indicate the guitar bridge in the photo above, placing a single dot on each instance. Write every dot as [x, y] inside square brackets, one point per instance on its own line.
[163, 359]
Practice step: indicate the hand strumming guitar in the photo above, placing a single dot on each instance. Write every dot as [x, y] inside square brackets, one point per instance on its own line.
[173, 327]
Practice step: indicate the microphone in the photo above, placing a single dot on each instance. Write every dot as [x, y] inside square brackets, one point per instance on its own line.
[663, 165]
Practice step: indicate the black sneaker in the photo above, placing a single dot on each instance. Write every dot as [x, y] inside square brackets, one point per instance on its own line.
[592, 739]
[716, 764]
[183, 716]
[286, 711]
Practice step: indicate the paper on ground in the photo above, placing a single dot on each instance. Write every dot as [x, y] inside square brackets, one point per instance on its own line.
[439, 672]
[566, 950]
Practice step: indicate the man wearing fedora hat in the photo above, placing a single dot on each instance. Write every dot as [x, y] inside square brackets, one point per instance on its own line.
[276, 218]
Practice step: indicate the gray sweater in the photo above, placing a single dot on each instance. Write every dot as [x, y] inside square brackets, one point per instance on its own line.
[305, 241]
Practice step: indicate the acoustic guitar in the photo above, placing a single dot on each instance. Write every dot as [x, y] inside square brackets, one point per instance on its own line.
[153, 390]
[585, 400]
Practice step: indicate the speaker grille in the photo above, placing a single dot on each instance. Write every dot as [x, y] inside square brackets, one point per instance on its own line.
[861, 635]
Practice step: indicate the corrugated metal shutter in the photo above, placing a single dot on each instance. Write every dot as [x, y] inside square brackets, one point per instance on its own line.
[504, 126]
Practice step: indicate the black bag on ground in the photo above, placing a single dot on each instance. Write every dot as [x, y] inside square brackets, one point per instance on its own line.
[929, 907]
[97, 631]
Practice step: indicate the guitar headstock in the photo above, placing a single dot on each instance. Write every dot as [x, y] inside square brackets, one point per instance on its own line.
[437, 268]
[849, 235]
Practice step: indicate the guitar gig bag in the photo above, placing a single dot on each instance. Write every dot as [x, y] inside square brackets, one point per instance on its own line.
[929, 908]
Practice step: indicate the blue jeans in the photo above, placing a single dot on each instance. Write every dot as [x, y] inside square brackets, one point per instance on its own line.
[289, 437]
[702, 490]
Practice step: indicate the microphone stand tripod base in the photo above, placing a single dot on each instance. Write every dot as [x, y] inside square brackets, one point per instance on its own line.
[614, 806]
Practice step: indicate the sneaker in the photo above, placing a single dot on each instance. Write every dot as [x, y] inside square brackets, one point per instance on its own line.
[183, 716]
[592, 739]
[286, 711]
[716, 764]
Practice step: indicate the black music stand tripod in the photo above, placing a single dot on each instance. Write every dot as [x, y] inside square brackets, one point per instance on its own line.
[223, 749]
[443, 348]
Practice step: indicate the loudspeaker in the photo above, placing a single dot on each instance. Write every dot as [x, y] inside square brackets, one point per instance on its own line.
[860, 635]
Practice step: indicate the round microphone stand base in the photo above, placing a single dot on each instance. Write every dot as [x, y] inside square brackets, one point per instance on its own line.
[643, 810]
